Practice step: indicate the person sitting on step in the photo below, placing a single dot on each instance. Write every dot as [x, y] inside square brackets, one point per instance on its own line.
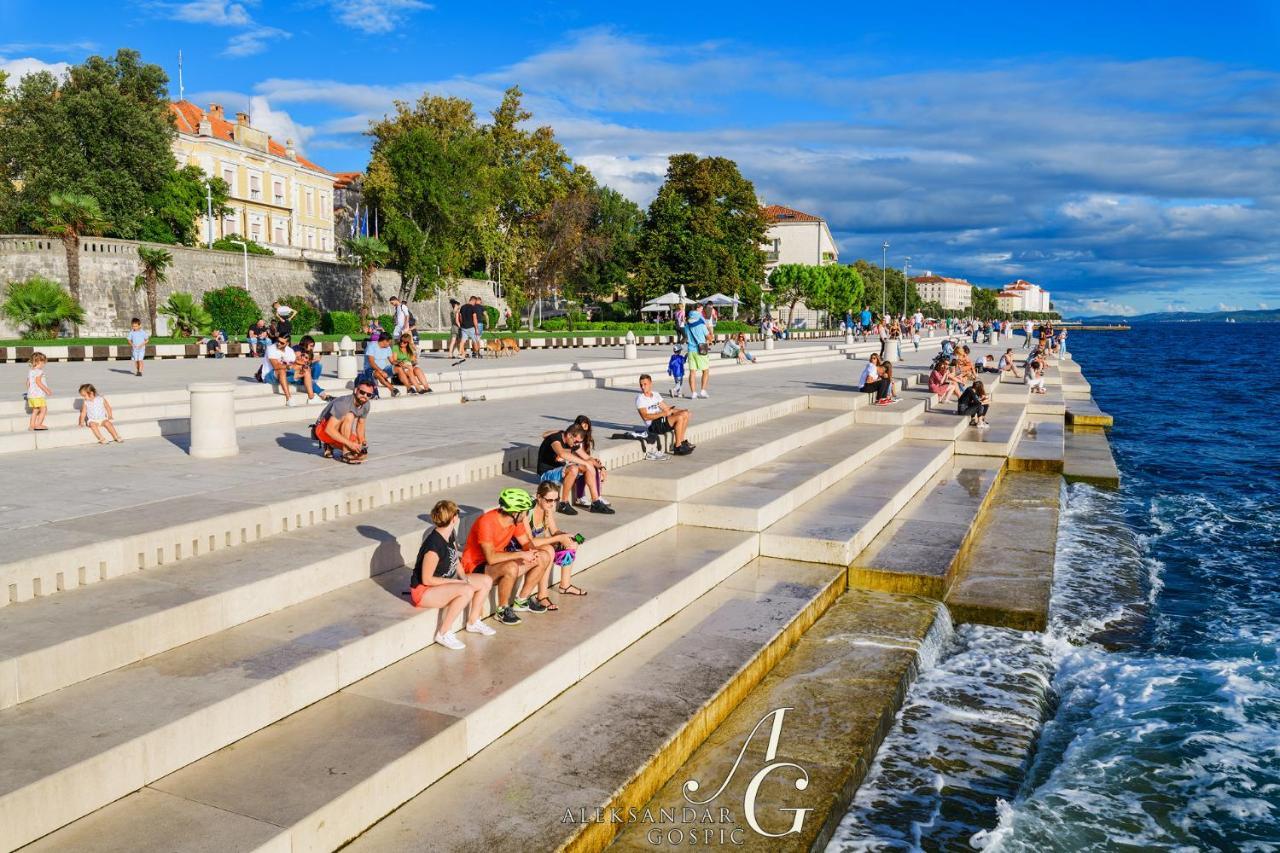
[500, 545]
[941, 382]
[873, 381]
[559, 463]
[404, 361]
[547, 534]
[965, 365]
[377, 356]
[1007, 365]
[663, 418]
[438, 580]
[1033, 370]
[975, 402]
[593, 468]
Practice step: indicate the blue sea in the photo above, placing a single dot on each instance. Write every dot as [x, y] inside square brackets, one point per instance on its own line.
[1148, 716]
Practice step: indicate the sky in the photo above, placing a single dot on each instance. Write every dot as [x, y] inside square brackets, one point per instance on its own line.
[1125, 155]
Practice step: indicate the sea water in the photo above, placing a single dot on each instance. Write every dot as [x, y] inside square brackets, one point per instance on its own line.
[1148, 716]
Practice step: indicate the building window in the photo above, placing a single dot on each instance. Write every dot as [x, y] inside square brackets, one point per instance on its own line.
[255, 188]
[310, 205]
[324, 243]
[277, 192]
[279, 236]
[311, 233]
[229, 175]
[326, 210]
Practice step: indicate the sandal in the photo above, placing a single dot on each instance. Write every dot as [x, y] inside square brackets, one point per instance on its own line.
[350, 460]
[570, 590]
[547, 603]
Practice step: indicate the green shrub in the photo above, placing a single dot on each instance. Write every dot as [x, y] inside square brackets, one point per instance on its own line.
[231, 309]
[39, 306]
[555, 324]
[189, 317]
[513, 322]
[306, 317]
[388, 324]
[617, 312]
[340, 323]
[491, 317]
[224, 244]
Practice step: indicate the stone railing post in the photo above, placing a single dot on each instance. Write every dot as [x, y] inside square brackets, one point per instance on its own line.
[629, 350]
[348, 364]
[213, 420]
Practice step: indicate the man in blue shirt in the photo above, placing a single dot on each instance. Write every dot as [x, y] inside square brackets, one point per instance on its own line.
[865, 318]
[377, 357]
[695, 329]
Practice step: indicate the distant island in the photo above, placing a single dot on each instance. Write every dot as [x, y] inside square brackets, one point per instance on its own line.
[1271, 315]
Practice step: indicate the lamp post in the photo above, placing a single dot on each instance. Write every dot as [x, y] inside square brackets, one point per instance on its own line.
[905, 266]
[208, 201]
[884, 262]
[245, 246]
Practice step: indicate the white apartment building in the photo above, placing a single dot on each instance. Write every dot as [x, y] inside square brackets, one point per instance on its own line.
[797, 238]
[1023, 296]
[953, 294]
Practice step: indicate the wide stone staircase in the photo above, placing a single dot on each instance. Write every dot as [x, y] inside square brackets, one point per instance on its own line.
[251, 676]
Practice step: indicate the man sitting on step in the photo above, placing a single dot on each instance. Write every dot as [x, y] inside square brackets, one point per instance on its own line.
[560, 464]
[500, 545]
[661, 417]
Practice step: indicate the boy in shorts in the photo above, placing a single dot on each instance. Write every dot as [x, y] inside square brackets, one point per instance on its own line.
[138, 341]
[661, 417]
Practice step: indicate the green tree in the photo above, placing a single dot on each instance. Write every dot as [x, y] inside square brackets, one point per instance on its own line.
[430, 177]
[154, 264]
[793, 283]
[367, 253]
[39, 306]
[617, 225]
[703, 230]
[839, 292]
[189, 317]
[986, 303]
[105, 131]
[889, 302]
[69, 216]
[174, 208]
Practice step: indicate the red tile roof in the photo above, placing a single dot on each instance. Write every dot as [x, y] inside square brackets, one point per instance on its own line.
[342, 180]
[1019, 285]
[937, 279]
[778, 213]
[187, 118]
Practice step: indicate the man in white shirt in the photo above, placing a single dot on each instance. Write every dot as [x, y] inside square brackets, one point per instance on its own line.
[278, 361]
[400, 311]
[1029, 326]
[663, 418]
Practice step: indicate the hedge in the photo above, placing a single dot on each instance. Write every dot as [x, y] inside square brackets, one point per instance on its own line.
[559, 324]
[306, 317]
[232, 309]
[340, 323]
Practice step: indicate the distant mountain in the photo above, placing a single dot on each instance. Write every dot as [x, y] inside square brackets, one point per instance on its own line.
[1259, 316]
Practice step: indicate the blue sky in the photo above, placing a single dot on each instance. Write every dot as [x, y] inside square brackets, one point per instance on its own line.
[1126, 155]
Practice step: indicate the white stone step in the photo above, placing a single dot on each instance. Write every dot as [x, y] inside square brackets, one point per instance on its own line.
[841, 521]
[1006, 418]
[764, 494]
[898, 414]
[393, 733]
[53, 642]
[713, 462]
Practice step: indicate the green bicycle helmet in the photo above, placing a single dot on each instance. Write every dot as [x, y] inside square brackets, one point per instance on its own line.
[515, 500]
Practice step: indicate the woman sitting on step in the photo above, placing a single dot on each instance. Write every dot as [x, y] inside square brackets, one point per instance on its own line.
[975, 402]
[404, 361]
[941, 381]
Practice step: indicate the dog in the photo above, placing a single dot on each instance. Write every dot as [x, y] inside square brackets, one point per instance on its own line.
[494, 347]
[511, 345]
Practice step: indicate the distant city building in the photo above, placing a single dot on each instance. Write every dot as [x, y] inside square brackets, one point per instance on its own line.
[953, 294]
[278, 198]
[1023, 296]
[794, 237]
[797, 238]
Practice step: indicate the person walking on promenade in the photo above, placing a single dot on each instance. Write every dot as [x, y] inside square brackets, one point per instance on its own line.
[696, 330]
[95, 413]
[661, 417]
[470, 319]
[438, 581]
[678, 318]
[500, 546]
[1028, 327]
[341, 425]
[138, 338]
[675, 369]
[975, 402]
[38, 392]
[455, 331]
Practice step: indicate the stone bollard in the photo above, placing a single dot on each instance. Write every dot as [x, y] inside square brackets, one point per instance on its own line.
[629, 350]
[848, 339]
[213, 420]
[768, 342]
[348, 364]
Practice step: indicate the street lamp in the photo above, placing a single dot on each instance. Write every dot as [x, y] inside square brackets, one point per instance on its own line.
[884, 262]
[905, 266]
[208, 201]
[245, 246]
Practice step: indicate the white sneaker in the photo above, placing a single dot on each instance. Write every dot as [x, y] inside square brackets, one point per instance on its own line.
[675, 391]
[582, 502]
[655, 456]
[703, 394]
[290, 402]
[449, 641]
[480, 628]
[314, 401]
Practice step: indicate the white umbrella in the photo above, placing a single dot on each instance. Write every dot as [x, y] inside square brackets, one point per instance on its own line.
[664, 300]
[720, 299]
[651, 308]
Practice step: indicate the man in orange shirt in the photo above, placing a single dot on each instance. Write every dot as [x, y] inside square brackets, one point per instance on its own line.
[500, 546]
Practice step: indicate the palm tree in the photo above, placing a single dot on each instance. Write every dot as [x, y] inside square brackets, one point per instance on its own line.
[189, 317]
[68, 217]
[368, 253]
[154, 264]
[40, 306]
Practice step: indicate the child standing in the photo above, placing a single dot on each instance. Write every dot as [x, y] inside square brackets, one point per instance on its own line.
[675, 367]
[38, 392]
[138, 340]
[96, 414]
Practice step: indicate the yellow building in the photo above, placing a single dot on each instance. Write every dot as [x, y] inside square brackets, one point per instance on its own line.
[278, 198]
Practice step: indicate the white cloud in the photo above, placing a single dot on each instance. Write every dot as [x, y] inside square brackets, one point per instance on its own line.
[1096, 305]
[1262, 306]
[253, 41]
[278, 123]
[1222, 306]
[218, 13]
[18, 68]
[376, 16]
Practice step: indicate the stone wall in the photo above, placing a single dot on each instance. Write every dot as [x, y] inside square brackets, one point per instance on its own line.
[108, 268]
